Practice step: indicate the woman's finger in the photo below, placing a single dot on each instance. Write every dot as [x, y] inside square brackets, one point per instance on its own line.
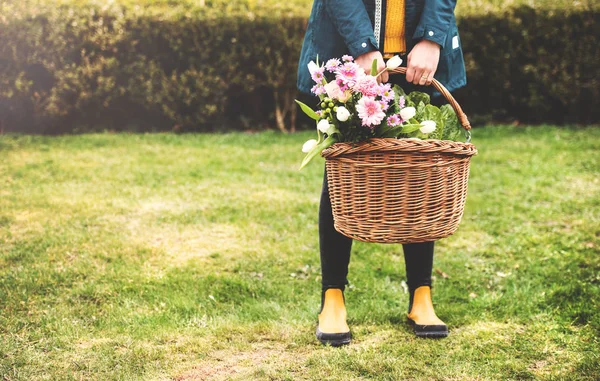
[418, 75]
[430, 78]
[410, 71]
[423, 78]
[381, 67]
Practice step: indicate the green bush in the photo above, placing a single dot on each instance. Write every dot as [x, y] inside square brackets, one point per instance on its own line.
[532, 65]
[77, 66]
[84, 67]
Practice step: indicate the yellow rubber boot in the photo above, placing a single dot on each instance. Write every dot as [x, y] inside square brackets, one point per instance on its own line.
[422, 315]
[332, 328]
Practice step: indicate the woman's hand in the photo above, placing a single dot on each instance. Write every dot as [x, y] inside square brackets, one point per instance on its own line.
[422, 62]
[366, 60]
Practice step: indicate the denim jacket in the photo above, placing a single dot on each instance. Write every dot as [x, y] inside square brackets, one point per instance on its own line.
[355, 27]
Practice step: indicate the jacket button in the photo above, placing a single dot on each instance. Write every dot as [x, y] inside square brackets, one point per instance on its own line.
[431, 33]
[364, 44]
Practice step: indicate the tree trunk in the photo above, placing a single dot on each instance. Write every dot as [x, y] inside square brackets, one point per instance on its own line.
[293, 110]
[279, 113]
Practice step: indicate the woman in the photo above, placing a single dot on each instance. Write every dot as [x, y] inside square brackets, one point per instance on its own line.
[424, 34]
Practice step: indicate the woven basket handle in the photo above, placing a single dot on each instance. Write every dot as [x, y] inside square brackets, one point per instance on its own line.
[459, 112]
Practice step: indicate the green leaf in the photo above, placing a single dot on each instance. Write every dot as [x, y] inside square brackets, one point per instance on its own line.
[318, 149]
[419, 96]
[391, 132]
[382, 129]
[397, 131]
[452, 130]
[399, 91]
[308, 111]
[420, 110]
[407, 129]
[409, 102]
[374, 67]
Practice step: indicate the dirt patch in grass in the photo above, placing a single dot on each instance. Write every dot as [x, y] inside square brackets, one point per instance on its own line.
[262, 358]
[180, 242]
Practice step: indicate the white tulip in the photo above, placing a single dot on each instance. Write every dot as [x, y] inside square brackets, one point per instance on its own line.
[312, 66]
[407, 113]
[323, 125]
[342, 114]
[428, 126]
[393, 62]
[309, 145]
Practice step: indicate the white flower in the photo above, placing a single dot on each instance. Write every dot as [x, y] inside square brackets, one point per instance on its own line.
[393, 62]
[342, 114]
[407, 113]
[323, 125]
[309, 145]
[428, 126]
[312, 66]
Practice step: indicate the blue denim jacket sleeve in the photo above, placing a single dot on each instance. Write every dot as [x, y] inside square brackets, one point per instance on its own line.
[352, 22]
[436, 21]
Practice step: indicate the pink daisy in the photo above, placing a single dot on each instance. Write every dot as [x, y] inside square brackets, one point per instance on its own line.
[347, 58]
[394, 120]
[401, 101]
[370, 112]
[386, 92]
[318, 75]
[384, 105]
[318, 89]
[332, 64]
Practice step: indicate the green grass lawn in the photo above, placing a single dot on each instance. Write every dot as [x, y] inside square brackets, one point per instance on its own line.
[196, 257]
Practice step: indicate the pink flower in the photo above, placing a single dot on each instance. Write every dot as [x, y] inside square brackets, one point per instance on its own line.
[347, 58]
[318, 74]
[401, 101]
[367, 85]
[342, 84]
[384, 105]
[386, 92]
[318, 89]
[383, 87]
[349, 72]
[332, 64]
[370, 112]
[394, 120]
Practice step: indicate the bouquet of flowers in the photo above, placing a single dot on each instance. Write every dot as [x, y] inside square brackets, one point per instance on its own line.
[354, 107]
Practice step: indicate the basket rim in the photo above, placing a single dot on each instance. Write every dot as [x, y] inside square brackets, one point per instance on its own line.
[403, 144]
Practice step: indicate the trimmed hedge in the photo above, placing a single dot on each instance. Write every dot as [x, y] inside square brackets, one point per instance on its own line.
[531, 65]
[89, 67]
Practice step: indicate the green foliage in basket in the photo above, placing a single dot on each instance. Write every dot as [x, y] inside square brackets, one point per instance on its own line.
[448, 126]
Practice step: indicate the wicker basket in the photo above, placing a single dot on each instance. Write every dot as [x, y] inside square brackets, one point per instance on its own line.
[390, 190]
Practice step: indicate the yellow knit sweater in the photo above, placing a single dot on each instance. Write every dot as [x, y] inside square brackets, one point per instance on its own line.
[394, 28]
